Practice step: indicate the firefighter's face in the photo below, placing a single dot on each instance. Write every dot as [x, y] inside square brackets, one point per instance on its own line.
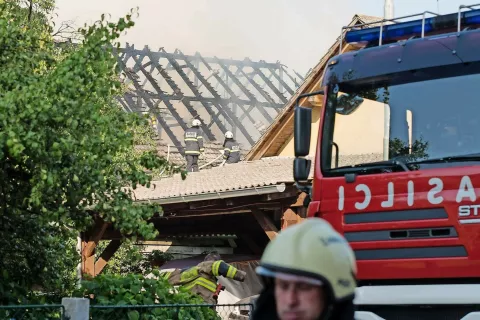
[298, 300]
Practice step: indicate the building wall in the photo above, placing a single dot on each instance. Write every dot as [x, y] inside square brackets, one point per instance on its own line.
[288, 148]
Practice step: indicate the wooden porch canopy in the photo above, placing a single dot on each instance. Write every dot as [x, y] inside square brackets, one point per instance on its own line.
[252, 200]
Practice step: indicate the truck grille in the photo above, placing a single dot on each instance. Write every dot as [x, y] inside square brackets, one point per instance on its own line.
[385, 235]
[391, 216]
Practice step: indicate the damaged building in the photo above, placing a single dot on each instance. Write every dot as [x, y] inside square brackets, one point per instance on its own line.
[241, 96]
[237, 209]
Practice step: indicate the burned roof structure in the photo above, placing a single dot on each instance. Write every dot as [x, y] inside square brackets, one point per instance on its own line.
[242, 96]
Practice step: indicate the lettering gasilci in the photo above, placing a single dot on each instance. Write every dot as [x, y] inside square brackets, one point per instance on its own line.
[465, 191]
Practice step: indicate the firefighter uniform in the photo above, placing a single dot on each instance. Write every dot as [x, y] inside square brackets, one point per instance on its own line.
[231, 151]
[193, 147]
[202, 279]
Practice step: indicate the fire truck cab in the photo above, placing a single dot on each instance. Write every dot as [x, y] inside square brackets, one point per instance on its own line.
[397, 165]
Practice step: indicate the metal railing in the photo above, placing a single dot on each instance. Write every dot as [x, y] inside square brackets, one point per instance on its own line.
[382, 22]
[171, 311]
[33, 312]
[460, 13]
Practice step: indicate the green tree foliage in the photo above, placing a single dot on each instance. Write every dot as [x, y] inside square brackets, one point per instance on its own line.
[130, 259]
[127, 260]
[131, 290]
[66, 149]
[400, 149]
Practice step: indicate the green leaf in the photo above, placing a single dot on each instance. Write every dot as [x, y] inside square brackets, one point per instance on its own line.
[66, 145]
[133, 315]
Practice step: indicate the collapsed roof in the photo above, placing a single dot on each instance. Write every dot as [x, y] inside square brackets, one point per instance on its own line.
[242, 96]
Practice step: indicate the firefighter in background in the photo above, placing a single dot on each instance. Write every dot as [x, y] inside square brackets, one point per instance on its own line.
[231, 151]
[154, 123]
[193, 139]
[202, 279]
[309, 272]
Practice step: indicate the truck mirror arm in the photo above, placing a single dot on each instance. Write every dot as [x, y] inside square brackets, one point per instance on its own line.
[307, 188]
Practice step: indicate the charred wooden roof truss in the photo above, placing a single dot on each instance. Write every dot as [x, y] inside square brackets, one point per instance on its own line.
[242, 96]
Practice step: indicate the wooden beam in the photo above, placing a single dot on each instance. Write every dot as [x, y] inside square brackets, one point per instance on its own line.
[89, 243]
[232, 243]
[106, 255]
[265, 145]
[300, 200]
[234, 205]
[189, 214]
[289, 218]
[202, 213]
[226, 206]
[88, 262]
[266, 223]
[278, 214]
[93, 239]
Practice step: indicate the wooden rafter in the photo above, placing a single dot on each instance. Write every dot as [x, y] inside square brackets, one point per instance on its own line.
[106, 255]
[191, 80]
[92, 241]
[89, 243]
[266, 223]
[289, 218]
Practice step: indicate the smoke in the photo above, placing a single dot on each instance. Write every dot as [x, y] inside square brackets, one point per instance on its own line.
[295, 32]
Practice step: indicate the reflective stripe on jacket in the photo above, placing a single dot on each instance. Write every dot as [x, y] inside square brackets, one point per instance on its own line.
[231, 151]
[202, 279]
[193, 139]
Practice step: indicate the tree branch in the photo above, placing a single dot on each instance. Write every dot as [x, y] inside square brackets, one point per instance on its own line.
[67, 31]
[30, 11]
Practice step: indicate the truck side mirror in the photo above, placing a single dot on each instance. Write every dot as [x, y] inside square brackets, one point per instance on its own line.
[302, 131]
[301, 169]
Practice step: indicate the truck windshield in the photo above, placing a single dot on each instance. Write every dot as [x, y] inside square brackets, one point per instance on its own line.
[424, 122]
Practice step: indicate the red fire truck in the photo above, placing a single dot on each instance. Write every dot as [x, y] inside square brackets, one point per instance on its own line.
[397, 165]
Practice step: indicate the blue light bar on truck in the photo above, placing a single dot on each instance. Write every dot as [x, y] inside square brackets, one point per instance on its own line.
[411, 28]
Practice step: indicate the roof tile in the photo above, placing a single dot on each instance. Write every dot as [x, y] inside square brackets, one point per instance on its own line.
[242, 175]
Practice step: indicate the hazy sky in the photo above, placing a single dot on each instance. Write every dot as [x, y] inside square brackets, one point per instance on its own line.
[296, 32]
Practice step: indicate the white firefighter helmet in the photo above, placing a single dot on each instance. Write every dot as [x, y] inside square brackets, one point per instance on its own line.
[229, 135]
[196, 123]
[312, 251]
